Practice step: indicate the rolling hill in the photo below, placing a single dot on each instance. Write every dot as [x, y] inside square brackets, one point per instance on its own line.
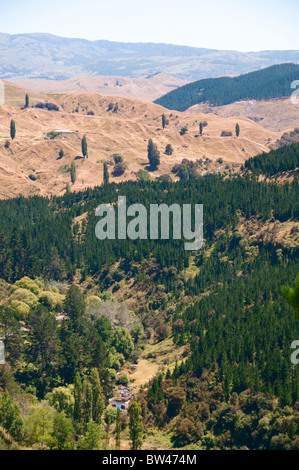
[44, 56]
[269, 83]
[276, 114]
[147, 88]
[31, 163]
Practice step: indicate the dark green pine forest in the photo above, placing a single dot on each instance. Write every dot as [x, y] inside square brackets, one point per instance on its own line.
[236, 387]
[271, 82]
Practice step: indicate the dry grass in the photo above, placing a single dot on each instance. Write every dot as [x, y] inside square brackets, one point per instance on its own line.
[149, 88]
[157, 356]
[126, 131]
[276, 114]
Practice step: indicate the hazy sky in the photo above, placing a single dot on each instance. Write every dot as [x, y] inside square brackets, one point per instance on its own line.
[218, 24]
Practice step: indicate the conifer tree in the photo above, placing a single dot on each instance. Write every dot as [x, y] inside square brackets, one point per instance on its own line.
[12, 129]
[237, 130]
[87, 402]
[78, 390]
[106, 174]
[153, 155]
[84, 147]
[136, 425]
[26, 100]
[73, 173]
[98, 400]
[118, 428]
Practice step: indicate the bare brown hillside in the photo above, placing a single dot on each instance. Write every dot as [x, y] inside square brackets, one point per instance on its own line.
[277, 115]
[148, 88]
[31, 164]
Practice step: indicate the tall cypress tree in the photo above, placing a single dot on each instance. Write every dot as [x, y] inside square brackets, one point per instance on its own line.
[73, 173]
[136, 425]
[84, 147]
[106, 174]
[87, 402]
[78, 393]
[12, 129]
[98, 400]
[118, 428]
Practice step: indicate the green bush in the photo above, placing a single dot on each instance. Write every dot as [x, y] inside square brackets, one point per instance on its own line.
[19, 309]
[52, 300]
[29, 284]
[24, 295]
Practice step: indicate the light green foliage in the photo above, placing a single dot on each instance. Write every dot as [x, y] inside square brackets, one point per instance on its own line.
[123, 379]
[62, 398]
[25, 296]
[115, 360]
[39, 425]
[26, 283]
[110, 415]
[62, 436]
[19, 309]
[52, 300]
[92, 438]
[98, 400]
[123, 342]
[136, 425]
[137, 333]
[10, 416]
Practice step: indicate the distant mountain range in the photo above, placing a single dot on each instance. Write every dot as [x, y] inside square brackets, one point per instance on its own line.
[44, 56]
[269, 83]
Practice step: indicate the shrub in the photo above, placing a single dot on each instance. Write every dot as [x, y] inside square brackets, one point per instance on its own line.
[118, 158]
[123, 379]
[184, 129]
[168, 150]
[48, 106]
[26, 296]
[29, 284]
[119, 169]
[143, 175]
[226, 134]
[52, 300]
[19, 309]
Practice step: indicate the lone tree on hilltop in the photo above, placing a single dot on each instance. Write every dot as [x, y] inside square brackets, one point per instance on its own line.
[12, 129]
[237, 130]
[26, 100]
[84, 147]
[153, 155]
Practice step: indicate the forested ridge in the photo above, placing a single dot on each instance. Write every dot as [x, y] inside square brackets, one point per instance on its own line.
[269, 83]
[275, 162]
[235, 388]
